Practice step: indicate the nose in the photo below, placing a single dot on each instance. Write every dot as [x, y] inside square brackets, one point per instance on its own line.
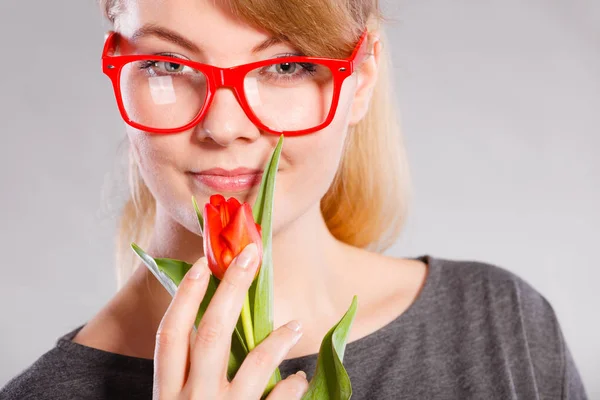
[225, 120]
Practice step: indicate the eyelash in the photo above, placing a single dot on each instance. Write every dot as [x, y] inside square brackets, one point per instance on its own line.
[307, 68]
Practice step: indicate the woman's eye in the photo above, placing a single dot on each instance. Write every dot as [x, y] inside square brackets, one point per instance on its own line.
[287, 73]
[173, 67]
[170, 67]
[286, 68]
[290, 69]
[164, 67]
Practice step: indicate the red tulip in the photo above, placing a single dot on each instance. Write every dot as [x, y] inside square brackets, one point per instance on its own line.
[228, 227]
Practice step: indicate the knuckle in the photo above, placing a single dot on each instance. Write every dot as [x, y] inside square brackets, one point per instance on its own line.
[232, 282]
[193, 392]
[236, 277]
[209, 333]
[166, 337]
[260, 357]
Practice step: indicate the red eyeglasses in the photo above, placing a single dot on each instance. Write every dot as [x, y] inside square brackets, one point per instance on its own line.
[287, 95]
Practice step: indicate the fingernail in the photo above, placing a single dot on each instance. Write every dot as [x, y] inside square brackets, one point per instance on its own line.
[198, 269]
[247, 256]
[301, 373]
[294, 325]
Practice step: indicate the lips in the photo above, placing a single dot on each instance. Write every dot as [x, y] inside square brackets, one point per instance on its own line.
[229, 181]
[233, 172]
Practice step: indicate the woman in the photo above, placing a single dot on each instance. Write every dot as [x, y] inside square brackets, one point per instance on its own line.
[425, 328]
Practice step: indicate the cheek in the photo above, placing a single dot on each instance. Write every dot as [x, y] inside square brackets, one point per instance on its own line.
[318, 155]
[157, 156]
[153, 152]
[313, 160]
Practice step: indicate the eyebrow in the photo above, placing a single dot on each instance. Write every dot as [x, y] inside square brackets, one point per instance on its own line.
[175, 38]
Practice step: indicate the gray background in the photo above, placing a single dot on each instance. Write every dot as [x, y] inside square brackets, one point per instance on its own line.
[500, 105]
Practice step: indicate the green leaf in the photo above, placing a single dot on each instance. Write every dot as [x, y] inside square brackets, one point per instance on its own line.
[170, 273]
[331, 381]
[262, 293]
[177, 268]
[261, 290]
[199, 215]
[238, 353]
[267, 185]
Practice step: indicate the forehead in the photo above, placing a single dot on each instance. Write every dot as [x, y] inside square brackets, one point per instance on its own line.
[208, 23]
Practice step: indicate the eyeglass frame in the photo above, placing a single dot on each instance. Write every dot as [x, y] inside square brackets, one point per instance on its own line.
[230, 77]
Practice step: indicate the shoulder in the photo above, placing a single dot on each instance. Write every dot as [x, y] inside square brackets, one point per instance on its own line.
[493, 305]
[39, 379]
[71, 370]
[492, 296]
[482, 284]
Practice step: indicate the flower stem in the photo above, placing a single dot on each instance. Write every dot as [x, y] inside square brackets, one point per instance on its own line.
[247, 323]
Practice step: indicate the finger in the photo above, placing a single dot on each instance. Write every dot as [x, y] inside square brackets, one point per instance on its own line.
[292, 387]
[173, 334]
[258, 366]
[213, 339]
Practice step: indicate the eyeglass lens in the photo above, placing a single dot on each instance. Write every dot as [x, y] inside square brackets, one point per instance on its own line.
[283, 96]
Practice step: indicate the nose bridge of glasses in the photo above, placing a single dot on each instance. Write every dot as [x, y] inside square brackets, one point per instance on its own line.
[229, 78]
[225, 77]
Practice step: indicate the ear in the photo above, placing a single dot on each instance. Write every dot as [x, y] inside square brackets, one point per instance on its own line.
[367, 78]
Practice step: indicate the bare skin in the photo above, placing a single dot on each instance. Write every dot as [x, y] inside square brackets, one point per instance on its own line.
[315, 275]
[386, 287]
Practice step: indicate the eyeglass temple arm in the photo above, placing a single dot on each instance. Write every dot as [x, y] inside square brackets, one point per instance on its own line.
[360, 50]
[109, 44]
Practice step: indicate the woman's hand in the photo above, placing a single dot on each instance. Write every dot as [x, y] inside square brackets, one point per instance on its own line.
[195, 367]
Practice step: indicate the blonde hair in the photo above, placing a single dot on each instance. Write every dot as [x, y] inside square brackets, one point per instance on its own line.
[366, 204]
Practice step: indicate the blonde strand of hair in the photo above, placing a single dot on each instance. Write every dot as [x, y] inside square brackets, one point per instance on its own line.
[367, 203]
[136, 223]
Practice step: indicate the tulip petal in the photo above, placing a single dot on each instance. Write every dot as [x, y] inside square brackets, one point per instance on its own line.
[217, 199]
[227, 257]
[241, 231]
[233, 206]
[213, 246]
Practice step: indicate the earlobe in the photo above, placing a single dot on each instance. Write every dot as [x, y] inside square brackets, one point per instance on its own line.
[367, 79]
